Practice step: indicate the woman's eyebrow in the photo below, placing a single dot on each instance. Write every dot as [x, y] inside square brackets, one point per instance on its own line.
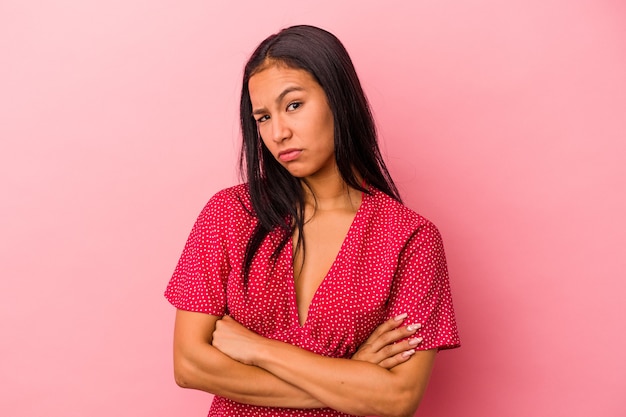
[279, 98]
[287, 91]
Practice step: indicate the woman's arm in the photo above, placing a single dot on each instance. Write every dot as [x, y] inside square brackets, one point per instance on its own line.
[199, 365]
[351, 386]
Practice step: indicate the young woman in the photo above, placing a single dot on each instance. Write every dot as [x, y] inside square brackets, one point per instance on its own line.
[309, 290]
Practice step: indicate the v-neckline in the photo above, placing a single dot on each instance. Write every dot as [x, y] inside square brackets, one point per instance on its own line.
[295, 316]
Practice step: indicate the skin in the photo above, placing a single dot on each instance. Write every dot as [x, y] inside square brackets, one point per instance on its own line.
[198, 364]
[292, 112]
[219, 355]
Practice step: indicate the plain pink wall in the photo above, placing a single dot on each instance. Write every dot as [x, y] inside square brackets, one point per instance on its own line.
[503, 121]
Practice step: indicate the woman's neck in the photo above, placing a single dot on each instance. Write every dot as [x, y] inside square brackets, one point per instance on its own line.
[330, 193]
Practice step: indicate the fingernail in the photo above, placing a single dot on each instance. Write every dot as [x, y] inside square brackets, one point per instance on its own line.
[413, 327]
[408, 353]
[416, 341]
[400, 317]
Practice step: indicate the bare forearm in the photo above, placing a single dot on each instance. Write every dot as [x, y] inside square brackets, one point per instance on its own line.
[350, 386]
[207, 369]
[199, 365]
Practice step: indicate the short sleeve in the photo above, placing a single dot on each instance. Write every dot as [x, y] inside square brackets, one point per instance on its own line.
[422, 290]
[199, 280]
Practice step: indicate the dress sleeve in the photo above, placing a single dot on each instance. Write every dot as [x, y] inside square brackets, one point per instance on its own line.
[422, 290]
[199, 280]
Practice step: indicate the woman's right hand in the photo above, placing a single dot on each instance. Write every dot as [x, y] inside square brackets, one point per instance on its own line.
[380, 348]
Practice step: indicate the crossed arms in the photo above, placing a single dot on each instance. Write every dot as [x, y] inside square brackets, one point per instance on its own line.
[220, 356]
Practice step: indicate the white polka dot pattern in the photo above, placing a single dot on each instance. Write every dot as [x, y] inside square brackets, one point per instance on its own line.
[391, 262]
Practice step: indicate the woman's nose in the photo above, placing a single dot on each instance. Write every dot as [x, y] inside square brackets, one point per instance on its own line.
[280, 129]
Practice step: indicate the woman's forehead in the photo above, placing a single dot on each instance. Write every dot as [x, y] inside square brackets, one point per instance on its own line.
[275, 81]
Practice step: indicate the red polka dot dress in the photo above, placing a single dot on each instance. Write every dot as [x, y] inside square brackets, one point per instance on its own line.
[391, 262]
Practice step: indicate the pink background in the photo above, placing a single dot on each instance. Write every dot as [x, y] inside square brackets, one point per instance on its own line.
[504, 122]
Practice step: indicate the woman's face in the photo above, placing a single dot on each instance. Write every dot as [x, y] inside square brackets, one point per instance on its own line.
[294, 120]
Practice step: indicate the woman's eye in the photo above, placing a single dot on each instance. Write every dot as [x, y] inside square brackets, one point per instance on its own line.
[293, 106]
[262, 119]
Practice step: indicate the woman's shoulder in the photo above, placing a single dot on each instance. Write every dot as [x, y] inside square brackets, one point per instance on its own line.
[232, 194]
[231, 201]
[395, 215]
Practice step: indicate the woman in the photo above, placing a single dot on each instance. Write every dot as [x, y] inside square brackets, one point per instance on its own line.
[310, 290]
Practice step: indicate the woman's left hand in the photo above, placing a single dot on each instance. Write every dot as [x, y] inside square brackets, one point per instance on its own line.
[235, 340]
[381, 347]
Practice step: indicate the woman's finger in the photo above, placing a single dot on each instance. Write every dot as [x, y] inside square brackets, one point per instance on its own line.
[386, 326]
[392, 336]
[397, 359]
[408, 349]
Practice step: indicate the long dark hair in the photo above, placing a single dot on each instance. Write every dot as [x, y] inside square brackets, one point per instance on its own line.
[278, 197]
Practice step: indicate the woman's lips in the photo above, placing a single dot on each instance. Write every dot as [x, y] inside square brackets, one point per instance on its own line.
[289, 155]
